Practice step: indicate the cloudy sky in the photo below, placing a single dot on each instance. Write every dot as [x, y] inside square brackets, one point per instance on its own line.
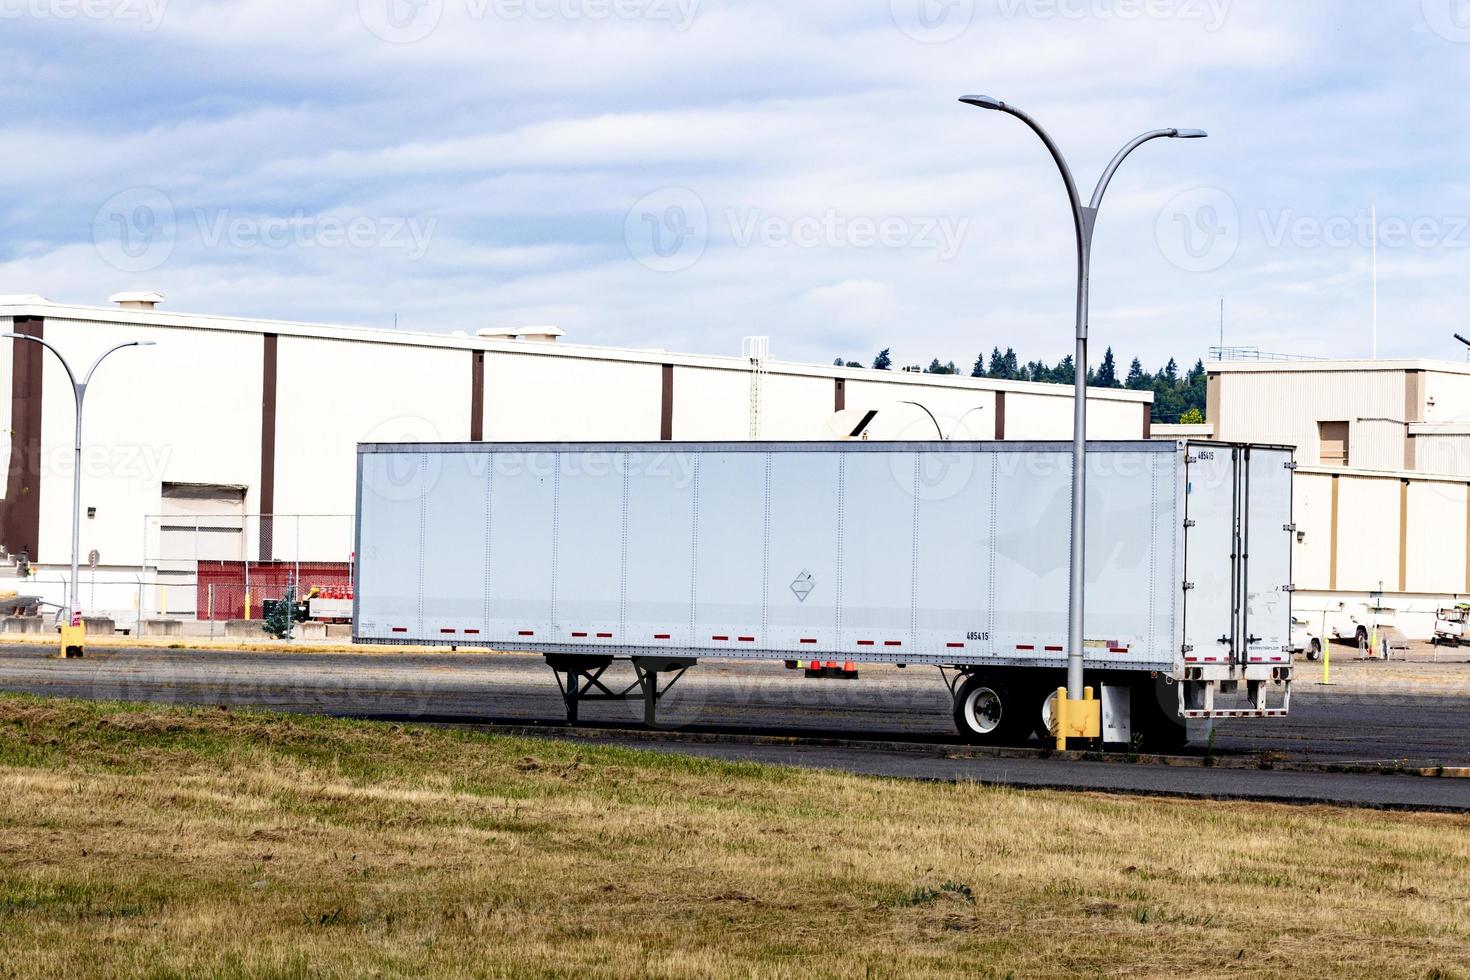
[683, 173]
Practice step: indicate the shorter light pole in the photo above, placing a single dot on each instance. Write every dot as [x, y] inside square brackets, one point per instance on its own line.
[79, 391]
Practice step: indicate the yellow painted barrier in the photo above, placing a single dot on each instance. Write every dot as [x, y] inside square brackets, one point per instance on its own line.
[73, 641]
[1076, 719]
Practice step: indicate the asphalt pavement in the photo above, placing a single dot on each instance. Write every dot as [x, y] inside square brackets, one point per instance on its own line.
[890, 722]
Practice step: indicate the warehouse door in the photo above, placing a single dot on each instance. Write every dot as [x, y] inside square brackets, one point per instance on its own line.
[198, 522]
[1210, 575]
[1332, 443]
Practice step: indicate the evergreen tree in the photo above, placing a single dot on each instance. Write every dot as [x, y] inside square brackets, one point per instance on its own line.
[1137, 380]
[1107, 372]
[1063, 373]
[997, 365]
[884, 361]
[978, 371]
[1012, 369]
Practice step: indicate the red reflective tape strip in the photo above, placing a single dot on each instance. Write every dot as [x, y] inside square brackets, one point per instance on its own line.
[473, 632]
[526, 633]
[400, 629]
[446, 629]
[722, 639]
[662, 636]
[1055, 649]
[604, 636]
[893, 643]
[578, 636]
[866, 643]
[1117, 649]
[1024, 646]
[747, 639]
[955, 646]
[808, 640]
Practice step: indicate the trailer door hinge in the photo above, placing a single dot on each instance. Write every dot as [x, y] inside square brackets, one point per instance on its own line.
[1291, 465]
[1289, 528]
[1188, 586]
[1288, 588]
[1191, 523]
[1187, 648]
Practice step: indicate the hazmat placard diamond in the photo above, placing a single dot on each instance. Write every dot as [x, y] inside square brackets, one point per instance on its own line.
[803, 585]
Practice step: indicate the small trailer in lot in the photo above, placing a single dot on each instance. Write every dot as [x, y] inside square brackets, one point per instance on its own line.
[824, 555]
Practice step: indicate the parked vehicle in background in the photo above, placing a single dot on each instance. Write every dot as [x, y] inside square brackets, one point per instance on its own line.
[1449, 625]
[1304, 641]
[830, 555]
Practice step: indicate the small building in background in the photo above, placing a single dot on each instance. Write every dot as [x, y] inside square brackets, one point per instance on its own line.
[1382, 489]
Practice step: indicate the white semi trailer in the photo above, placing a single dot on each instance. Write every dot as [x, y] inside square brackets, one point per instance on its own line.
[827, 554]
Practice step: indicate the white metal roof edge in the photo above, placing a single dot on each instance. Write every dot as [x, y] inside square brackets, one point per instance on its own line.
[411, 338]
[1406, 475]
[1353, 364]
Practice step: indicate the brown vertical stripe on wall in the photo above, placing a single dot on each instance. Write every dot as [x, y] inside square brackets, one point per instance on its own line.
[268, 449]
[839, 395]
[1148, 421]
[1413, 396]
[1404, 536]
[1000, 415]
[666, 414]
[1410, 455]
[22, 517]
[1212, 404]
[1332, 549]
[477, 396]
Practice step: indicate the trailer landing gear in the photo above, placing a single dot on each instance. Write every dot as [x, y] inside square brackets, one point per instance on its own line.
[580, 679]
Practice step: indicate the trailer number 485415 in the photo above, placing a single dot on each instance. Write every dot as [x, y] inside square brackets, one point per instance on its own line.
[973, 635]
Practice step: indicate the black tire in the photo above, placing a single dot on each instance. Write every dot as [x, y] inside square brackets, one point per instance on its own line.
[1314, 649]
[1362, 638]
[986, 712]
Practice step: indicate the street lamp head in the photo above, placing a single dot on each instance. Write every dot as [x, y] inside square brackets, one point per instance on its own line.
[983, 101]
[145, 343]
[1189, 134]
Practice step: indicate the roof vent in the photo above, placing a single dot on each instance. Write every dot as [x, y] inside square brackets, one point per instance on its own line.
[136, 301]
[540, 335]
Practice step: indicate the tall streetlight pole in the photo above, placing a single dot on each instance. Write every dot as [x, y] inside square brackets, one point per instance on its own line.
[1085, 221]
[79, 391]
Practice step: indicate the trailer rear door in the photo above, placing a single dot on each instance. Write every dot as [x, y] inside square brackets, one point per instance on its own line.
[1210, 580]
[1266, 545]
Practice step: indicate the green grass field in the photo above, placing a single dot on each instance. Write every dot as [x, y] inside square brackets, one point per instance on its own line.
[148, 841]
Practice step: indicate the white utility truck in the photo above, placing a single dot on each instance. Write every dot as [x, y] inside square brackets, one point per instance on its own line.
[948, 554]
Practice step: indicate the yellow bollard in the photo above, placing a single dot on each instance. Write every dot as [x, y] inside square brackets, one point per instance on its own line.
[247, 603]
[73, 641]
[1327, 664]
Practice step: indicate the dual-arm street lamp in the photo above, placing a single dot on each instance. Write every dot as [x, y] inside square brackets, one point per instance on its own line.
[79, 390]
[1085, 221]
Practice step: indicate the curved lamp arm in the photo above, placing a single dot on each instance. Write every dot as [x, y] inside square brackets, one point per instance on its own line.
[986, 102]
[46, 344]
[926, 411]
[1107, 177]
[106, 354]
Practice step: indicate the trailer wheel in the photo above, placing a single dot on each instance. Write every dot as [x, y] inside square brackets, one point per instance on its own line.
[986, 713]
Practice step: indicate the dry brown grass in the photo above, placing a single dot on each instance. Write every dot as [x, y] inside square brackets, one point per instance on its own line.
[145, 841]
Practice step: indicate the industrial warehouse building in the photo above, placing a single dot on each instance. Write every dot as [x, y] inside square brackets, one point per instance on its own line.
[191, 441]
[1382, 489]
